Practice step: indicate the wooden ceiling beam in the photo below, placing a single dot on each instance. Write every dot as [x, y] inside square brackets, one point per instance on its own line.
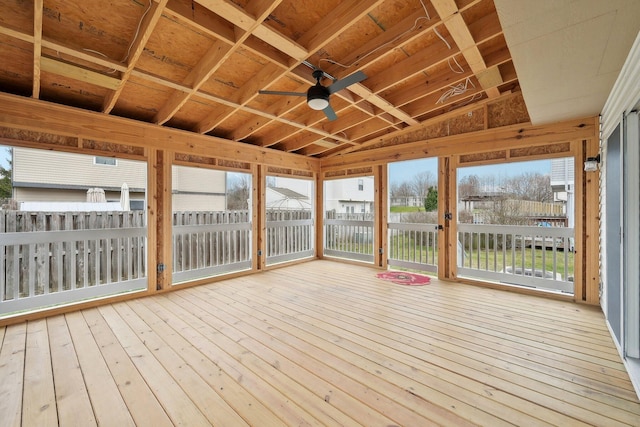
[241, 97]
[82, 55]
[37, 46]
[323, 32]
[16, 33]
[210, 62]
[347, 11]
[386, 42]
[77, 73]
[331, 26]
[520, 135]
[148, 23]
[429, 122]
[218, 54]
[457, 27]
[189, 13]
[297, 142]
[253, 24]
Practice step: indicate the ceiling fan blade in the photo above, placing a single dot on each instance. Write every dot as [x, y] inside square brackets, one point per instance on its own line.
[276, 92]
[356, 77]
[331, 115]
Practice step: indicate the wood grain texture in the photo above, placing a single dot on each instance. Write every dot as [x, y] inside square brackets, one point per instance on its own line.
[321, 343]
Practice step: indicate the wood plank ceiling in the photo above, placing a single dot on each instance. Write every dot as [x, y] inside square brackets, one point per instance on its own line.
[198, 65]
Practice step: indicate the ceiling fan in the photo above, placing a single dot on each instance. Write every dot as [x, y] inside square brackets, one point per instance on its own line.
[318, 95]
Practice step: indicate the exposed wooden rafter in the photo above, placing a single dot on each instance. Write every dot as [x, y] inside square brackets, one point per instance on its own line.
[199, 65]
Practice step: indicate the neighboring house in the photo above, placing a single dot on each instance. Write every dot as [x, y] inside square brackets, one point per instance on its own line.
[350, 195]
[50, 176]
[198, 189]
[562, 184]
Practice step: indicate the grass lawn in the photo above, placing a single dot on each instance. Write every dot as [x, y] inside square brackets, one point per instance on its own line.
[407, 209]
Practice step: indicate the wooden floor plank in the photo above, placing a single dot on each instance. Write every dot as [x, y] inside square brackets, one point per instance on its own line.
[185, 340]
[415, 332]
[319, 343]
[72, 398]
[12, 374]
[139, 398]
[325, 397]
[552, 395]
[176, 402]
[263, 383]
[39, 400]
[382, 369]
[445, 355]
[212, 406]
[108, 405]
[456, 387]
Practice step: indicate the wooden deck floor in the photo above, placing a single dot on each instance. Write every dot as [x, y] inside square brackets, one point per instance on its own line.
[320, 343]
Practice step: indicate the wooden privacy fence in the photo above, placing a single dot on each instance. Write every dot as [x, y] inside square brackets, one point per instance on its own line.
[210, 243]
[49, 258]
[289, 235]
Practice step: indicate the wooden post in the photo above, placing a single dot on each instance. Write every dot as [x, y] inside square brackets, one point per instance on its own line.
[159, 218]
[447, 230]
[381, 201]
[319, 217]
[258, 217]
[591, 227]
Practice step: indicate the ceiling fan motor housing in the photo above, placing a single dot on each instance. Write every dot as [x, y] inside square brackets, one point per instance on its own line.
[318, 97]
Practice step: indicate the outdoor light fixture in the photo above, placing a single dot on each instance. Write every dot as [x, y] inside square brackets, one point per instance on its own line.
[318, 97]
[591, 164]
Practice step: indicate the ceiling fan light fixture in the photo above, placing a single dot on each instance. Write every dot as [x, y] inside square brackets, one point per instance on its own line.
[318, 97]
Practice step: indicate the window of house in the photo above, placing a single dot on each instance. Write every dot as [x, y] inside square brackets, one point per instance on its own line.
[360, 185]
[100, 160]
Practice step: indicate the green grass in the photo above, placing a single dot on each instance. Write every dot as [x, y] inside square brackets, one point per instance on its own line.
[406, 209]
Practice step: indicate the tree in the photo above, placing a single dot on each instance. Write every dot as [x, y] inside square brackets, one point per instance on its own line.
[238, 192]
[531, 186]
[6, 186]
[421, 184]
[401, 190]
[431, 201]
[468, 186]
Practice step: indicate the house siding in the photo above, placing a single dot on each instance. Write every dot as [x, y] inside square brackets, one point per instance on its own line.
[31, 166]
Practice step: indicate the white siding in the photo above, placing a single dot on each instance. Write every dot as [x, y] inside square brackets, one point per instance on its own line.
[34, 167]
[199, 180]
[198, 189]
[342, 194]
[197, 202]
[562, 170]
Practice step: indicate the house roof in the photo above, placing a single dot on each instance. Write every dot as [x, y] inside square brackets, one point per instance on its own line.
[199, 65]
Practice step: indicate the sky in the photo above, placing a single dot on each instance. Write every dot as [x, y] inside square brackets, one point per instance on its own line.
[405, 171]
[4, 156]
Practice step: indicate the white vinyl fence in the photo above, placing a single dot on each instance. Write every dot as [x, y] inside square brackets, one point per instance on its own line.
[63, 257]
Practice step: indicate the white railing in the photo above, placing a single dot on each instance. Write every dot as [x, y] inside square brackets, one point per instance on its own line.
[288, 240]
[413, 246]
[41, 269]
[351, 239]
[210, 249]
[539, 257]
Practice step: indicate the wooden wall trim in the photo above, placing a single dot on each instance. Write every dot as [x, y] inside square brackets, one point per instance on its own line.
[40, 116]
[514, 136]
